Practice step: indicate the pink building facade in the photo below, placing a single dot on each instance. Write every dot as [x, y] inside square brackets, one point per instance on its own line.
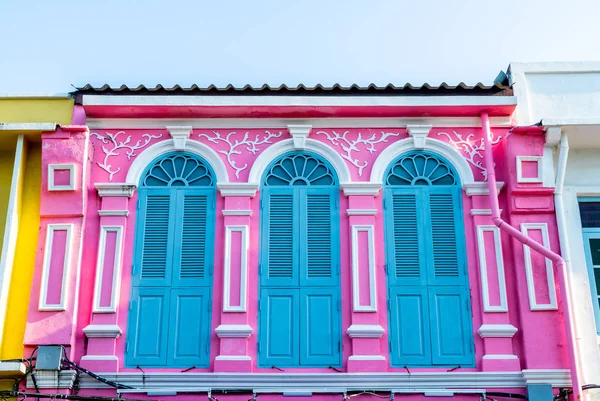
[310, 243]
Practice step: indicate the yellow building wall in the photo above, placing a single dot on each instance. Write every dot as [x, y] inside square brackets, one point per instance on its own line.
[26, 110]
[7, 159]
[22, 274]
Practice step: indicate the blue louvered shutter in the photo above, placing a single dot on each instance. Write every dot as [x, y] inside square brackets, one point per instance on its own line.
[320, 325]
[279, 327]
[280, 238]
[319, 238]
[194, 236]
[156, 222]
[148, 327]
[409, 326]
[451, 330]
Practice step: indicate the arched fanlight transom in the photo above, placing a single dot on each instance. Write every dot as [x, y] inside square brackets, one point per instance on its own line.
[300, 169]
[178, 170]
[421, 168]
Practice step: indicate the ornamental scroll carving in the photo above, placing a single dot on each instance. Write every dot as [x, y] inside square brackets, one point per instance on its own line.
[471, 149]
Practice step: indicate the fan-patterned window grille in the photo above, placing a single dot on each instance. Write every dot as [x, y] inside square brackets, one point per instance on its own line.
[430, 320]
[299, 319]
[169, 319]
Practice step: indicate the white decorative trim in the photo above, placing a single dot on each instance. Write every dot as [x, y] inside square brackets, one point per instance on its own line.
[102, 331]
[52, 186]
[472, 148]
[116, 266]
[481, 188]
[28, 126]
[238, 189]
[114, 189]
[233, 358]
[299, 134]
[357, 307]
[538, 160]
[338, 382]
[497, 331]
[252, 123]
[234, 145]
[500, 356]
[483, 269]
[365, 331]
[419, 134]
[361, 212]
[12, 369]
[553, 135]
[109, 138]
[234, 331]
[482, 212]
[348, 146]
[236, 212]
[110, 358]
[51, 228]
[389, 154]
[287, 145]
[533, 304]
[155, 150]
[366, 358]
[361, 188]
[227, 307]
[106, 213]
[11, 230]
[180, 135]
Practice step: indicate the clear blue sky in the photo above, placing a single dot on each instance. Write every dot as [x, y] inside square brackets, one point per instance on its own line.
[47, 45]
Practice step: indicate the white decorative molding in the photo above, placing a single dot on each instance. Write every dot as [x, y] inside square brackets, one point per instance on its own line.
[180, 135]
[238, 189]
[236, 212]
[366, 358]
[299, 134]
[553, 136]
[483, 269]
[338, 382]
[533, 304]
[500, 356]
[45, 280]
[139, 164]
[244, 246]
[471, 148]
[350, 145]
[361, 188]
[102, 331]
[419, 134]
[497, 331]
[52, 186]
[112, 139]
[107, 213]
[250, 145]
[233, 358]
[372, 306]
[234, 331]
[391, 153]
[482, 212]
[538, 161]
[12, 369]
[111, 358]
[265, 158]
[481, 188]
[365, 331]
[114, 189]
[116, 270]
[361, 212]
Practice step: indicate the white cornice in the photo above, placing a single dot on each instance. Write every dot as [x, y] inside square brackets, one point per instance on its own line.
[28, 126]
[361, 212]
[102, 331]
[104, 213]
[361, 188]
[233, 331]
[365, 331]
[557, 377]
[367, 122]
[12, 369]
[497, 330]
[236, 212]
[238, 189]
[115, 189]
[481, 188]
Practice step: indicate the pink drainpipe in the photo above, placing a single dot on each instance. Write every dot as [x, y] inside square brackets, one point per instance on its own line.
[554, 257]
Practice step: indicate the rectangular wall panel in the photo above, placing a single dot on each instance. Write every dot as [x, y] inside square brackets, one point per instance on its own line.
[108, 269]
[541, 286]
[491, 268]
[236, 269]
[57, 255]
[364, 297]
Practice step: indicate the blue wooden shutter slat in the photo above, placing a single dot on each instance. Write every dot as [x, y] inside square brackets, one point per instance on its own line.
[189, 326]
[319, 327]
[279, 330]
[148, 327]
[451, 331]
[409, 326]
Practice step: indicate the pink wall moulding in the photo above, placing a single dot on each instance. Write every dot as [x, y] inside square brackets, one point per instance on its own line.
[235, 268]
[108, 269]
[55, 270]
